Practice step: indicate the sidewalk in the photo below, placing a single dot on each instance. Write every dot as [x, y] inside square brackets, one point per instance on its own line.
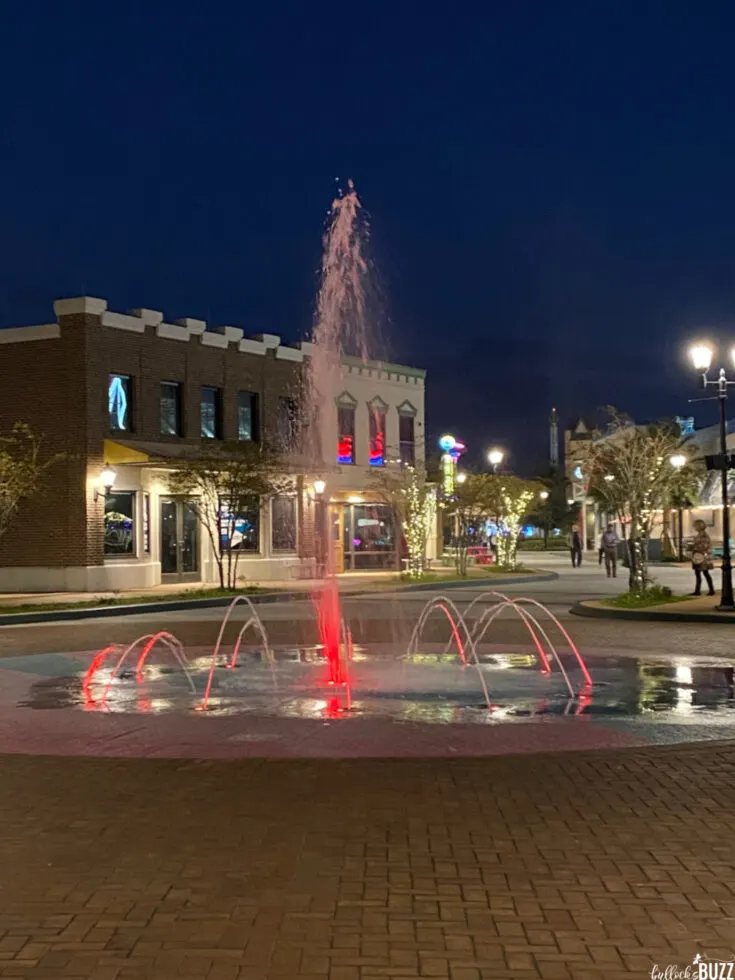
[348, 581]
[701, 609]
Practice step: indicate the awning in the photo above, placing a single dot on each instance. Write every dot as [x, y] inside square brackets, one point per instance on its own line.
[117, 454]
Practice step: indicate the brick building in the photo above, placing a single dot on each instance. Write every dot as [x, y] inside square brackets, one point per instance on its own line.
[134, 393]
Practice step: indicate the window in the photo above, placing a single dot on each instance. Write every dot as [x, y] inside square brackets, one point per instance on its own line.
[243, 525]
[247, 416]
[119, 524]
[120, 402]
[286, 423]
[170, 408]
[283, 524]
[211, 413]
[377, 435]
[147, 523]
[369, 537]
[406, 439]
[346, 434]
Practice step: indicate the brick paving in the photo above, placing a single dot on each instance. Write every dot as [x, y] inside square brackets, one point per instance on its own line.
[595, 865]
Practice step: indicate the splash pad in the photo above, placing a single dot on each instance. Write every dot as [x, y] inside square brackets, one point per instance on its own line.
[240, 676]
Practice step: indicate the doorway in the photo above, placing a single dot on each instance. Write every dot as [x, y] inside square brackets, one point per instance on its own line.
[337, 523]
[179, 540]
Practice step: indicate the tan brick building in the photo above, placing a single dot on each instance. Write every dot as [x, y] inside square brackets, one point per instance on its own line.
[133, 392]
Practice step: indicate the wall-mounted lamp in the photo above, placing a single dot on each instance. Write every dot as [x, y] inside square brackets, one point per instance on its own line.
[107, 482]
[319, 487]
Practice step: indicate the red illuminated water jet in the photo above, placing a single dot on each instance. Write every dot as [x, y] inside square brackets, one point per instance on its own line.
[329, 618]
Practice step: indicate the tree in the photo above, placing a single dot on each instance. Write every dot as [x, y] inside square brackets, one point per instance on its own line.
[413, 501]
[516, 497]
[632, 476]
[471, 507]
[229, 480]
[504, 499]
[21, 471]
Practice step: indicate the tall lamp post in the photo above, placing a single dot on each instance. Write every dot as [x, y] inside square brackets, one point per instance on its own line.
[678, 462]
[544, 496]
[701, 355]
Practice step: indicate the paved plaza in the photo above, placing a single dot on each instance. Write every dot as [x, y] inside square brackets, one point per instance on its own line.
[147, 843]
[573, 866]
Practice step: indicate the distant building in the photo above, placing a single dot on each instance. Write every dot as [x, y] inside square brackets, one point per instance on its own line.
[136, 393]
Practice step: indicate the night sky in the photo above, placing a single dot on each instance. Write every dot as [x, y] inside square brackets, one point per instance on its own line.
[550, 185]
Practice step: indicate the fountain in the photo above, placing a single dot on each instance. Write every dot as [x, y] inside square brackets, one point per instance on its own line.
[340, 327]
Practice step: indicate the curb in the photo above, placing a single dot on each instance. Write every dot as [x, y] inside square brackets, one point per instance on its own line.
[139, 609]
[648, 616]
[258, 598]
[472, 583]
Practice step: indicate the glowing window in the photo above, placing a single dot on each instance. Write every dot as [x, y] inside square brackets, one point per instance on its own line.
[119, 536]
[119, 402]
[377, 436]
[346, 434]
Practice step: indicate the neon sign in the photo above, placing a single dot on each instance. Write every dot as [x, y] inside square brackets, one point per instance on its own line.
[377, 449]
[117, 400]
[345, 451]
[452, 449]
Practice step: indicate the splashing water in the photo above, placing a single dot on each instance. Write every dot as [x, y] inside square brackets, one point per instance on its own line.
[340, 327]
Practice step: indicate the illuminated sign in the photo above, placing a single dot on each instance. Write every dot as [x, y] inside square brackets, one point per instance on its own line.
[117, 401]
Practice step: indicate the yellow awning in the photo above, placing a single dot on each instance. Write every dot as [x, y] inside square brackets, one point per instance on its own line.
[115, 453]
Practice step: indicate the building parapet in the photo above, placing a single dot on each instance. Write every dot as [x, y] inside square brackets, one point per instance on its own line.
[187, 329]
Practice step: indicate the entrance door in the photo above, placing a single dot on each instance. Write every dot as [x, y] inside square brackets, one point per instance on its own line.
[179, 540]
[337, 519]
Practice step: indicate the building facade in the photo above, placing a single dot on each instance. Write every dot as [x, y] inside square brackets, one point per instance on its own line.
[132, 394]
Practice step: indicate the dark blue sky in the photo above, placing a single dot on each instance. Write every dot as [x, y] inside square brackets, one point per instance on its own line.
[550, 184]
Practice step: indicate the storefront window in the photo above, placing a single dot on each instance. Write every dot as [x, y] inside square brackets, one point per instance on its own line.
[370, 537]
[119, 523]
[243, 525]
[147, 523]
[283, 524]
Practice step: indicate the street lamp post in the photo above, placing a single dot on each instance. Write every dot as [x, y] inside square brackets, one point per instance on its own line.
[544, 496]
[678, 461]
[701, 355]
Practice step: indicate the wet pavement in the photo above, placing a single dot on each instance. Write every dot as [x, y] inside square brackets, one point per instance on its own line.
[428, 703]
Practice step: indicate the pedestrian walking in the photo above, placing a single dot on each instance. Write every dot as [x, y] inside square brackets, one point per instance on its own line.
[700, 552]
[609, 545]
[574, 542]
